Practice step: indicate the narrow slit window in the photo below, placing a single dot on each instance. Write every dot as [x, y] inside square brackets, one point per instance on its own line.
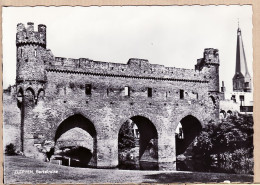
[181, 94]
[35, 53]
[150, 92]
[233, 98]
[88, 89]
[127, 91]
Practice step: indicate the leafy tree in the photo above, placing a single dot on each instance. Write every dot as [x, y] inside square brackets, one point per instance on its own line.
[203, 144]
[227, 136]
[126, 138]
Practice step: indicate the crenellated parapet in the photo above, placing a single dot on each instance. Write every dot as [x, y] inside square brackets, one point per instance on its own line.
[135, 68]
[27, 35]
[210, 57]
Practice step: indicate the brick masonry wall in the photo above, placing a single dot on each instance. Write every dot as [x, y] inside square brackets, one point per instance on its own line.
[108, 108]
[54, 89]
[11, 119]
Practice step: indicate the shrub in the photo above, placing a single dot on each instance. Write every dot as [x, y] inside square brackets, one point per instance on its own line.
[230, 136]
[10, 149]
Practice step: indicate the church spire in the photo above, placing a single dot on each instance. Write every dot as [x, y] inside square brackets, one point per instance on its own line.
[242, 78]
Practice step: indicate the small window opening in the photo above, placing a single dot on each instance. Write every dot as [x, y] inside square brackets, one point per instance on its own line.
[247, 84]
[241, 97]
[181, 94]
[88, 89]
[35, 53]
[127, 91]
[233, 98]
[150, 93]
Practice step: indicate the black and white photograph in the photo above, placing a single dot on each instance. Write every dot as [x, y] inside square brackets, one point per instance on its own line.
[128, 94]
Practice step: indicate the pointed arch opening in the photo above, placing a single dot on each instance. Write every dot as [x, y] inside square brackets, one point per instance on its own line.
[40, 94]
[30, 94]
[223, 114]
[138, 144]
[76, 142]
[187, 130]
[212, 102]
[229, 113]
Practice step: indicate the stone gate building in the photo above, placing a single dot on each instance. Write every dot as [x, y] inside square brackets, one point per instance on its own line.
[54, 95]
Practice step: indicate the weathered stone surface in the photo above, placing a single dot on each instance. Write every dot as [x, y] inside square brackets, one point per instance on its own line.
[51, 89]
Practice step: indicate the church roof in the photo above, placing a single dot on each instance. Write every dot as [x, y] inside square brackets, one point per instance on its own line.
[241, 64]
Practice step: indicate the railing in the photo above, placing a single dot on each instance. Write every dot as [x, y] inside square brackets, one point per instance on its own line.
[246, 108]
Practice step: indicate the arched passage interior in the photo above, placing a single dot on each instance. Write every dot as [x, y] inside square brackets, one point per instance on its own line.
[138, 142]
[190, 128]
[75, 141]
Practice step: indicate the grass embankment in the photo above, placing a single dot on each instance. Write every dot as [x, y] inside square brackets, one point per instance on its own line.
[14, 164]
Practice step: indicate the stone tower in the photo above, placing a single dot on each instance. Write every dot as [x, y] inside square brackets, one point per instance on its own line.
[30, 74]
[209, 66]
[242, 78]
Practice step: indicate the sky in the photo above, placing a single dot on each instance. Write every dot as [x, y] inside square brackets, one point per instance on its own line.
[174, 36]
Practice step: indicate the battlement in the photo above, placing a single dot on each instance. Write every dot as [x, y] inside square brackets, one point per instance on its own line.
[27, 35]
[210, 57]
[134, 68]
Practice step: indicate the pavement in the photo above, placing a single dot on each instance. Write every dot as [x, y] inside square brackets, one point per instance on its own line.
[19, 169]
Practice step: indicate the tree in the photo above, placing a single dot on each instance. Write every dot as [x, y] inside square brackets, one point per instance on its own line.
[203, 144]
[229, 135]
[126, 138]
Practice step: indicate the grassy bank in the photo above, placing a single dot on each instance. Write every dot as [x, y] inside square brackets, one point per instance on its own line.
[14, 166]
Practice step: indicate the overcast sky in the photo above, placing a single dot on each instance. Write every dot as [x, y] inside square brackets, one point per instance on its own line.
[174, 36]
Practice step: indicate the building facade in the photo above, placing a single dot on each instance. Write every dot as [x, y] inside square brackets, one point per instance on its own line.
[241, 98]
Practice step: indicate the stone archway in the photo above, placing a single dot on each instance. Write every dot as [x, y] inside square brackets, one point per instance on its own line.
[229, 113]
[76, 141]
[190, 128]
[223, 114]
[138, 144]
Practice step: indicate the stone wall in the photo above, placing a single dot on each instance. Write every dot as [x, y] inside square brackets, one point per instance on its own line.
[51, 89]
[108, 108]
[11, 119]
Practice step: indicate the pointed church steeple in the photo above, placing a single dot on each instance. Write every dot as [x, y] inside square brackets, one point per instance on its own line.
[242, 78]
